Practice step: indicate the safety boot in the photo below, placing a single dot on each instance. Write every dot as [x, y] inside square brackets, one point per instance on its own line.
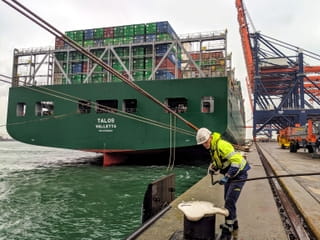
[235, 231]
[226, 232]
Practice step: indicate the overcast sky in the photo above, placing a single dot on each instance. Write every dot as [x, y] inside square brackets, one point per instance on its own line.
[292, 21]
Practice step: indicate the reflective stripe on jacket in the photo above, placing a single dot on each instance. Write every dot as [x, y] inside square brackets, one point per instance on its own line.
[224, 157]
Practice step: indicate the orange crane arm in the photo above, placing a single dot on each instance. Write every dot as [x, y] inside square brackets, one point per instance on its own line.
[312, 78]
[312, 69]
[245, 39]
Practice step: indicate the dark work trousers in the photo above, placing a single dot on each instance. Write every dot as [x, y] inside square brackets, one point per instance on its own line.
[231, 194]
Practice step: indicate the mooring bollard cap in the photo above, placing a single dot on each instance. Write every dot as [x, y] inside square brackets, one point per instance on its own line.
[195, 210]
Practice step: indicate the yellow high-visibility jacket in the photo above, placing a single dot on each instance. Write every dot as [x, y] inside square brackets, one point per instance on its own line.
[225, 158]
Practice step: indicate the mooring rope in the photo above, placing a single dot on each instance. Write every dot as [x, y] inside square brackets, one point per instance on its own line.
[54, 31]
[170, 142]
[172, 154]
[101, 107]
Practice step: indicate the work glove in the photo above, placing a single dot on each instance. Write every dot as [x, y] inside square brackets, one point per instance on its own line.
[212, 170]
[223, 180]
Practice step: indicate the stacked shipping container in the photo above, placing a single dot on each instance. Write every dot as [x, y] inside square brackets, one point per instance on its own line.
[211, 63]
[129, 43]
[143, 51]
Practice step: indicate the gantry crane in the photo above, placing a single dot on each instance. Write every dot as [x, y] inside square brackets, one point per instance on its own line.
[283, 89]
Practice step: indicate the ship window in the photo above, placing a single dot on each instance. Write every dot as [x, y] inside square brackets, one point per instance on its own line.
[103, 106]
[129, 105]
[44, 108]
[179, 105]
[207, 105]
[21, 109]
[84, 106]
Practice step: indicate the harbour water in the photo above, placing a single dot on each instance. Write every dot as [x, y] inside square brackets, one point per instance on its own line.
[48, 193]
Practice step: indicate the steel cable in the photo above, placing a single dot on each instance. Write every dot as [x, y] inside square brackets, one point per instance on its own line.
[105, 109]
[36, 19]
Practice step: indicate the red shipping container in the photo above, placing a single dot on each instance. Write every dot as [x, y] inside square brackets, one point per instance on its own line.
[195, 56]
[59, 43]
[85, 67]
[206, 55]
[108, 32]
[166, 64]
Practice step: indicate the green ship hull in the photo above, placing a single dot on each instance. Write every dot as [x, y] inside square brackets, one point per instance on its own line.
[78, 116]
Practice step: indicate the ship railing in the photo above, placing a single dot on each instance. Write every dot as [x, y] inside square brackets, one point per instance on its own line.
[203, 35]
[38, 50]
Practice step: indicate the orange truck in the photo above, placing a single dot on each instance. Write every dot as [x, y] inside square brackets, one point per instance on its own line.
[307, 137]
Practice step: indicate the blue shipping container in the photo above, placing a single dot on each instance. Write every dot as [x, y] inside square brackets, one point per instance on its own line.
[76, 68]
[164, 75]
[139, 39]
[164, 27]
[151, 37]
[88, 34]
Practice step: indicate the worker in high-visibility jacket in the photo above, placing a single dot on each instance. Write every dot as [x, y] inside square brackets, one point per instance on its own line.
[233, 166]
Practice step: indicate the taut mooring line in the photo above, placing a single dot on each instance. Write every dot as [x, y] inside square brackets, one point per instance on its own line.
[54, 31]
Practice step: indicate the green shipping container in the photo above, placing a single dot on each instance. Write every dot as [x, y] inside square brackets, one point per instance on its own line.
[147, 74]
[97, 78]
[98, 33]
[148, 50]
[76, 79]
[125, 52]
[75, 35]
[80, 43]
[61, 56]
[118, 40]
[66, 67]
[79, 36]
[118, 32]
[76, 56]
[98, 69]
[138, 51]
[98, 52]
[119, 51]
[151, 28]
[127, 40]
[70, 34]
[128, 31]
[108, 41]
[148, 63]
[163, 37]
[117, 66]
[139, 29]
[138, 64]
[115, 79]
[138, 75]
[88, 43]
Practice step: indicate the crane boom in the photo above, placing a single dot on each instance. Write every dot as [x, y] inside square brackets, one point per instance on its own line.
[245, 39]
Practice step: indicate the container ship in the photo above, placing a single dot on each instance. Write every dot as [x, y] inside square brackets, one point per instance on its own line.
[60, 98]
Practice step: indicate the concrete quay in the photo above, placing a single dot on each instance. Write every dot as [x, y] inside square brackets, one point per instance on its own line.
[258, 215]
[304, 191]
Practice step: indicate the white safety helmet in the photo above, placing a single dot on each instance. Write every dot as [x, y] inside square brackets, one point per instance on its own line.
[203, 135]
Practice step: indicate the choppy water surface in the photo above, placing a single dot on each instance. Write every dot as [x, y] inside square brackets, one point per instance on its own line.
[48, 193]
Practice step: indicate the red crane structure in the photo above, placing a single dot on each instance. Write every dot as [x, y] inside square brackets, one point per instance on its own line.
[283, 89]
